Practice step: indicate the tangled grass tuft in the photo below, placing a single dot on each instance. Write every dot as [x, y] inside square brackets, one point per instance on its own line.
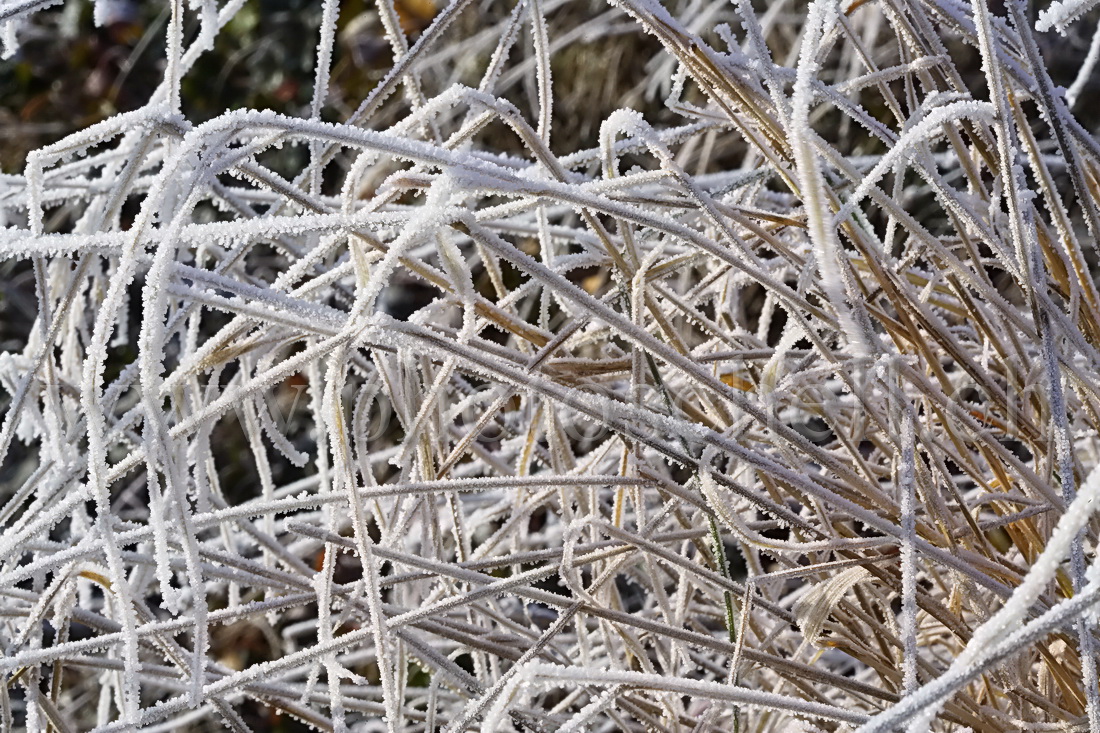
[770, 404]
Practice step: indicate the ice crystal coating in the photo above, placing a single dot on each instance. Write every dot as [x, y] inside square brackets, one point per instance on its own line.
[767, 401]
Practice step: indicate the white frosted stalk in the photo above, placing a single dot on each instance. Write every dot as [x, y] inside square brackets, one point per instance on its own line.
[330, 11]
[1084, 74]
[827, 248]
[906, 474]
[1060, 14]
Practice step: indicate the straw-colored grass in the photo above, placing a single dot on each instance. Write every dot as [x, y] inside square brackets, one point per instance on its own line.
[696, 367]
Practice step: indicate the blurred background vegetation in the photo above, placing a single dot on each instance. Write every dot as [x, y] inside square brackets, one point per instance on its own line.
[68, 74]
